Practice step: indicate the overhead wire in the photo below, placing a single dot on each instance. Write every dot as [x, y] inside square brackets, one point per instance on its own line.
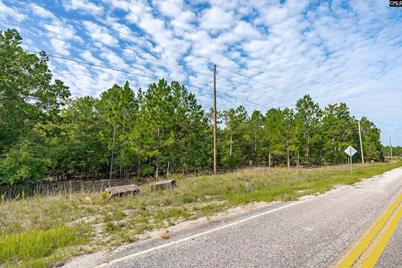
[176, 68]
[143, 75]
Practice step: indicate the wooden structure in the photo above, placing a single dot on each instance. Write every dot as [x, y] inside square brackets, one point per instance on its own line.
[123, 190]
[161, 185]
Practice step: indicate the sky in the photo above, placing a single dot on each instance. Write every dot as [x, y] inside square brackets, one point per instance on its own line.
[268, 53]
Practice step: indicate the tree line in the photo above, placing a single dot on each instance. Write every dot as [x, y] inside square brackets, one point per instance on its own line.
[396, 151]
[126, 133]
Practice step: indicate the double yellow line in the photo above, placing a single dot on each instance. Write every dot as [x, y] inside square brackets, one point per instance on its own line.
[367, 251]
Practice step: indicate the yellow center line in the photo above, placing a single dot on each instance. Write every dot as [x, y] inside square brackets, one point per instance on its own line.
[381, 244]
[357, 250]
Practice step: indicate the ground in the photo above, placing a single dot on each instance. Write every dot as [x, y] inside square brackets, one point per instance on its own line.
[53, 223]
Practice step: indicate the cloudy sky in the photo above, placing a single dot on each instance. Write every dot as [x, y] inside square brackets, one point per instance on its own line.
[268, 53]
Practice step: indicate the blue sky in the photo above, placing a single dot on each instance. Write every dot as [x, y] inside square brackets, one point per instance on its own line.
[269, 53]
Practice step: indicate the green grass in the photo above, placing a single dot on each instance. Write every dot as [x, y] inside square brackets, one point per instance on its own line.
[42, 231]
[38, 245]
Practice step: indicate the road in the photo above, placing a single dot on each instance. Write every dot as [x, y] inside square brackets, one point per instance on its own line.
[314, 232]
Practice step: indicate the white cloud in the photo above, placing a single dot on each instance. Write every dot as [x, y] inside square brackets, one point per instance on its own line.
[114, 59]
[123, 31]
[83, 5]
[60, 35]
[217, 18]
[61, 46]
[171, 8]
[88, 56]
[61, 30]
[10, 12]
[119, 4]
[184, 22]
[100, 34]
[40, 11]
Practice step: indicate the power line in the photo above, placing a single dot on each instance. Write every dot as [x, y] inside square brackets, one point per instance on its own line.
[142, 75]
[174, 67]
[94, 65]
[235, 97]
[177, 69]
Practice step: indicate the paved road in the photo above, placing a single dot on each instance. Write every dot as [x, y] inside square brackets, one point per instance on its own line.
[392, 256]
[314, 232]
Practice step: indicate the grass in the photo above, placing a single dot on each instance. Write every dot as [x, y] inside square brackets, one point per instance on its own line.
[43, 231]
[38, 245]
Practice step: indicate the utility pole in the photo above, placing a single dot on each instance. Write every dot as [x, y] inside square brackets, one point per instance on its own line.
[361, 143]
[390, 147]
[215, 140]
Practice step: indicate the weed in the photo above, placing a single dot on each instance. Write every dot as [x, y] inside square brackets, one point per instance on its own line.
[166, 201]
[187, 198]
[38, 244]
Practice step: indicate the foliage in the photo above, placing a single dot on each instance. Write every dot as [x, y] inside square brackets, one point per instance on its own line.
[23, 163]
[161, 130]
[27, 93]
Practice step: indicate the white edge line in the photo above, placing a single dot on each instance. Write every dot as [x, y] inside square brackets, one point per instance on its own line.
[196, 235]
[206, 232]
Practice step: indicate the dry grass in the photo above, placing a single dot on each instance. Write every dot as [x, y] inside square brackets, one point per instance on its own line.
[113, 222]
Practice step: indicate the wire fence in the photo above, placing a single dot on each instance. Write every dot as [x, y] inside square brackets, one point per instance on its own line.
[18, 191]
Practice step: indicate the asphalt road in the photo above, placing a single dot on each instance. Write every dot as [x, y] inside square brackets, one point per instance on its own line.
[314, 232]
[392, 255]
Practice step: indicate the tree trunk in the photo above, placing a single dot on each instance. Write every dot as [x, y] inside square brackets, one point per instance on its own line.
[139, 170]
[308, 153]
[269, 160]
[231, 144]
[167, 170]
[157, 157]
[287, 152]
[111, 162]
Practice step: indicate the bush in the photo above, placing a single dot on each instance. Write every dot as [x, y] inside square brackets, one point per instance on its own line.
[23, 164]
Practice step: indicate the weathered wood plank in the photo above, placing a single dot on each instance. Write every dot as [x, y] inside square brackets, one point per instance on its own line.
[123, 190]
[161, 185]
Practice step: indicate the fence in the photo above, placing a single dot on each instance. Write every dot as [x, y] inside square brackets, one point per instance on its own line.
[8, 192]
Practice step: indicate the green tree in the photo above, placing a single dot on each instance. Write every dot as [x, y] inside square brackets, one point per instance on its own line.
[192, 147]
[255, 136]
[27, 93]
[338, 129]
[75, 145]
[24, 163]
[280, 134]
[308, 123]
[233, 143]
[118, 112]
[373, 149]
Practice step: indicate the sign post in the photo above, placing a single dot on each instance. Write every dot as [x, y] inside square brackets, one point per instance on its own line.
[350, 151]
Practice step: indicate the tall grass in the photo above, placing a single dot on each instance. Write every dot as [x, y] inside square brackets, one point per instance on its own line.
[37, 244]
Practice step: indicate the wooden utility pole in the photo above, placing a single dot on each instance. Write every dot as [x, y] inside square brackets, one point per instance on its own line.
[215, 139]
[390, 147]
[361, 143]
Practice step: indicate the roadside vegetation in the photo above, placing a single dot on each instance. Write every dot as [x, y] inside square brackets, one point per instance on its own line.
[42, 231]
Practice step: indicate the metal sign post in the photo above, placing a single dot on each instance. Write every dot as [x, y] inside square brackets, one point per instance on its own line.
[350, 151]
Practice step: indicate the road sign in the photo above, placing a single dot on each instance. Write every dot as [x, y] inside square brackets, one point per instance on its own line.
[350, 151]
